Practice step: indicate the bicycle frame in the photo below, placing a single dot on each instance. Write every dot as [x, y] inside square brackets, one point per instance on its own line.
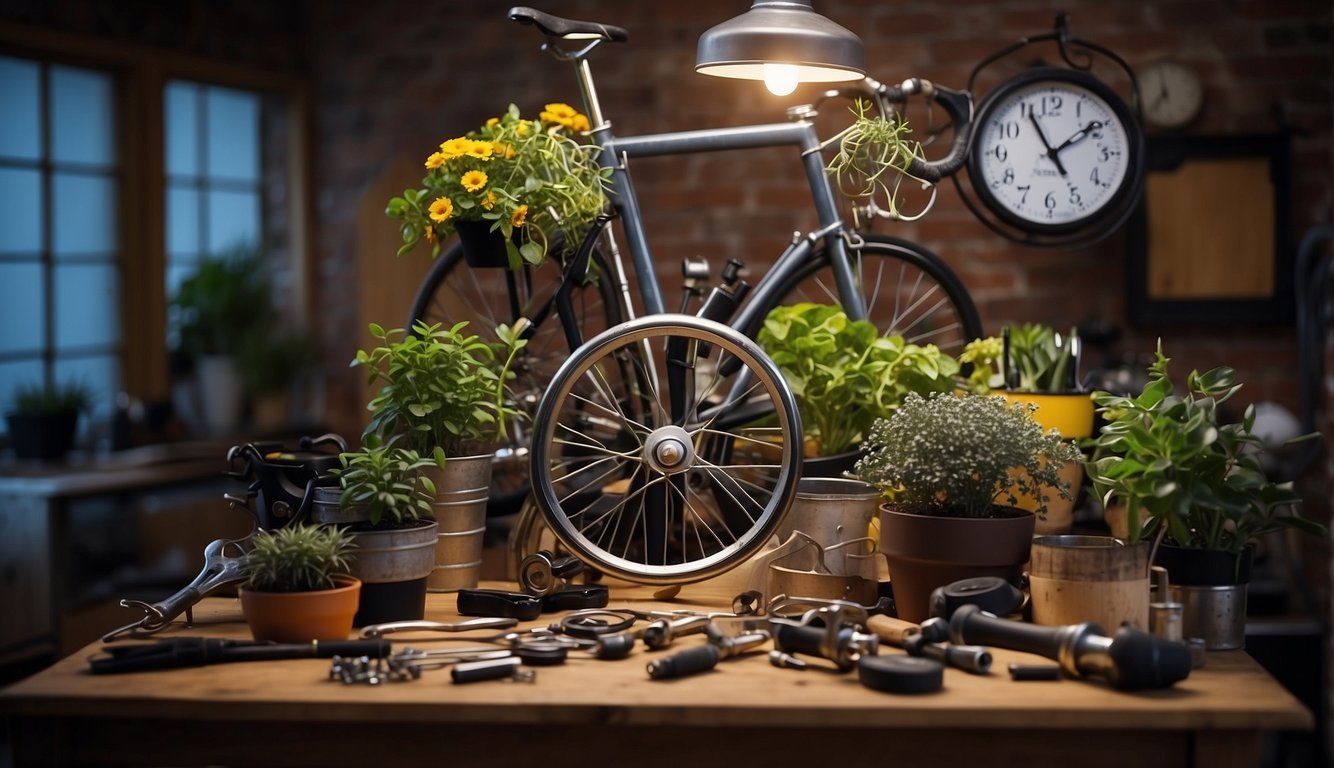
[799, 133]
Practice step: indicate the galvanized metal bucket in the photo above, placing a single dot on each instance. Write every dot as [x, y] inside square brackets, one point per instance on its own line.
[462, 489]
[834, 511]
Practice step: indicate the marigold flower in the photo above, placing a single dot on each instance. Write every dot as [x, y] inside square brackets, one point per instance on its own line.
[482, 150]
[435, 160]
[489, 201]
[430, 234]
[558, 113]
[473, 180]
[520, 215]
[441, 209]
[579, 123]
[455, 148]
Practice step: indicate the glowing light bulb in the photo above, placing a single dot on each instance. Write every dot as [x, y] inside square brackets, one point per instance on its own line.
[780, 79]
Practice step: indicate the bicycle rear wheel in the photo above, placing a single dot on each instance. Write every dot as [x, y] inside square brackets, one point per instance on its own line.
[487, 297]
[908, 291]
[655, 466]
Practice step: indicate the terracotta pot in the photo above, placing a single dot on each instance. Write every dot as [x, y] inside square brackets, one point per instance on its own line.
[299, 617]
[929, 551]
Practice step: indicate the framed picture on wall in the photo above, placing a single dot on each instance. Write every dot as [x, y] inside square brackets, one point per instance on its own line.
[1211, 242]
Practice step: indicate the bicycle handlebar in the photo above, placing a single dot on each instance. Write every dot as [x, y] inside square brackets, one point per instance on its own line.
[957, 104]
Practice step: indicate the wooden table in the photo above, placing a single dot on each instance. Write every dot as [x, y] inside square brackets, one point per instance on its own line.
[590, 712]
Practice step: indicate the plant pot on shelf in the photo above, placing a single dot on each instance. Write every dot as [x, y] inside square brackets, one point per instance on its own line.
[221, 396]
[930, 551]
[42, 436]
[462, 489]
[300, 617]
[1071, 415]
[1211, 585]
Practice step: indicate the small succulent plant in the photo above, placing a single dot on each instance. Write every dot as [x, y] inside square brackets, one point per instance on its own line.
[297, 558]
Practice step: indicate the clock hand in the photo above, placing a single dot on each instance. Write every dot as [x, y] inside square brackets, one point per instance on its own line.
[1051, 153]
[1079, 134]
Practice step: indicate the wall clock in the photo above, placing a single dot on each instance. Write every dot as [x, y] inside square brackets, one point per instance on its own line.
[1056, 151]
[1172, 93]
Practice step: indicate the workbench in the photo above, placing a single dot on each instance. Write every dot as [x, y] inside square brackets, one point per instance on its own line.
[590, 712]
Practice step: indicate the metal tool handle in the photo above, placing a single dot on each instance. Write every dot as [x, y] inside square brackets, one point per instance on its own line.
[972, 625]
[685, 663]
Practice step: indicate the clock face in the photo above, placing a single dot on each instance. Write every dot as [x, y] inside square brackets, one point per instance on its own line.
[1172, 93]
[1053, 151]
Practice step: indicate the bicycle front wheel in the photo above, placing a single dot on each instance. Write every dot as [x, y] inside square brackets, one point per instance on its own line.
[652, 464]
[907, 291]
[487, 297]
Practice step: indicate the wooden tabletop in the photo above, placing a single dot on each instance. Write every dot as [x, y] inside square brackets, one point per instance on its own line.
[1231, 692]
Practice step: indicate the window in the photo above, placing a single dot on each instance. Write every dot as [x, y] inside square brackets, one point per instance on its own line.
[120, 167]
[60, 251]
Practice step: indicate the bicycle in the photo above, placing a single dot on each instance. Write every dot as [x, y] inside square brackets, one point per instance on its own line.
[717, 444]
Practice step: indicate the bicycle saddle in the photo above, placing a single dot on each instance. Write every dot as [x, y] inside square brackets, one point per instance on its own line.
[555, 26]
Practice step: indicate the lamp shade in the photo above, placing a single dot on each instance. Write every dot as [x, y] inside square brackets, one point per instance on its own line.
[785, 32]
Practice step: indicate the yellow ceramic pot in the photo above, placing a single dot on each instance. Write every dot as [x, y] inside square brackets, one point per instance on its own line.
[1070, 414]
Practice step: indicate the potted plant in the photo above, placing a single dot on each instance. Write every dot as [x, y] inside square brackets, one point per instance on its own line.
[269, 365]
[219, 308]
[1192, 483]
[45, 418]
[384, 499]
[873, 157]
[298, 587]
[517, 180]
[845, 375]
[1032, 363]
[952, 467]
[442, 395]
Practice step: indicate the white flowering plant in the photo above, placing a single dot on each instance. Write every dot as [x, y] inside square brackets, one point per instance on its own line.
[960, 455]
[530, 178]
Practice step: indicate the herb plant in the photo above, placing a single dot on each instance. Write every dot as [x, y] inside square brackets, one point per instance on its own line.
[390, 481]
[297, 558]
[1199, 481]
[844, 374]
[442, 391]
[960, 455]
[526, 176]
[1040, 360]
[57, 398]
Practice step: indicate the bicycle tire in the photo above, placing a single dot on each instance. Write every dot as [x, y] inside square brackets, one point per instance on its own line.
[453, 291]
[933, 306]
[682, 483]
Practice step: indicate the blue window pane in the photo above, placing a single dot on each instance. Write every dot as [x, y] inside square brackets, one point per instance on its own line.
[181, 113]
[84, 215]
[20, 123]
[15, 374]
[82, 122]
[22, 310]
[20, 211]
[100, 373]
[87, 308]
[233, 220]
[233, 134]
[182, 223]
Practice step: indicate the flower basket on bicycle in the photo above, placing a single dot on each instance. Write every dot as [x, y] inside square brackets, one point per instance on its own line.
[513, 182]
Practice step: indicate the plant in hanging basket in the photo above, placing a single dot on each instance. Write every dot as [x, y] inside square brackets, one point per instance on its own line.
[963, 455]
[844, 374]
[521, 177]
[872, 159]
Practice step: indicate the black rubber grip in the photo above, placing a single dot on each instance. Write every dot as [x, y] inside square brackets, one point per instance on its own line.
[576, 598]
[799, 639]
[971, 625]
[614, 647]
[496, 602]
[685, 663]
[1145, 662]
[900, 674]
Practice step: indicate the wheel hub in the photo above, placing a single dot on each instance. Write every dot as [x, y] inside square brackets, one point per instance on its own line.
[669, 450]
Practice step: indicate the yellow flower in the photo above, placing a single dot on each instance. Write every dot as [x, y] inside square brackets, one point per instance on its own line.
[520, 214]
[521, 128]
[489, 201]
[558, 113]
[435, 160]
[473, 180]
[455, 148]
[505, 150]
[579, 123]
[481, 150]
[430, 234]
[441, 209]
[491, 122]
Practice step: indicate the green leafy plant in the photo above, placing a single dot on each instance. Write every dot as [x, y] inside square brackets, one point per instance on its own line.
[873, 157]
[390, 481]
[1182, 473]
[227, 300]
[844, 374]
[1040, 360]
[39, 399]
[268, 362]
[527, 176]
[442, 391]
[960, 455]
[297, 558]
